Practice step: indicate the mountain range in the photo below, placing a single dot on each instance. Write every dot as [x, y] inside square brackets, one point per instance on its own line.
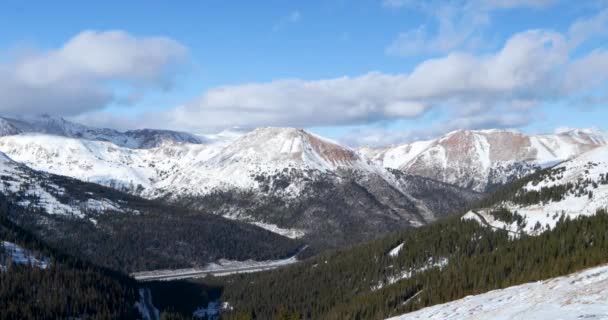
[152, 200]
[290, 181]
[285, 180]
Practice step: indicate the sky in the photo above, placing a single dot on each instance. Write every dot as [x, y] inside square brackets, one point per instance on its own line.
[363, 72]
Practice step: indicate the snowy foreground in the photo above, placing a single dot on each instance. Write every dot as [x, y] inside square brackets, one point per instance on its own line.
[582, 295]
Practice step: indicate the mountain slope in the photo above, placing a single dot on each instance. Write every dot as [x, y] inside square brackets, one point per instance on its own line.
[571, 189]
[102, 162]
[295, 180]
[125, 232]
[285, 180]
[65, 287]
[145, 138]
[407, 271]
[482, 160]
[582, 295]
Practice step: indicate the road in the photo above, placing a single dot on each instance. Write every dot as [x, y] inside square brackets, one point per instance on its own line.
[166, 275]
[485, 222]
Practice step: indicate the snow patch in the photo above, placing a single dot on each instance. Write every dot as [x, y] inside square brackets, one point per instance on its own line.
[406, 274]
[22, 256]
[395, 251]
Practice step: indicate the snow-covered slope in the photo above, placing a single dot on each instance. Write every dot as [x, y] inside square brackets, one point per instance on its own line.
[483, 159]
[35, 190]
[144, 138]
[582, 295]
[285, 180]
[102, 162]
[266, 152]
[571, 189]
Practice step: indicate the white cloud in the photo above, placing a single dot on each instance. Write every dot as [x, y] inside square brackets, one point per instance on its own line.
[498, 89]
[77, 77]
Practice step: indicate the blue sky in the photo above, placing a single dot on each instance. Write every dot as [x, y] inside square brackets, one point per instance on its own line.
[363, 72]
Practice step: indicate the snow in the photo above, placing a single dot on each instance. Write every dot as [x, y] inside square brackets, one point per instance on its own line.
[589, 166]
[22, 256]
[212, 311]
[289, 233]
[472, 158]
[395, 251]
[582, 295]
[482, 147]
[406, 274]
[35, 190]
[146, 308]
[136, 139]
[397, 156]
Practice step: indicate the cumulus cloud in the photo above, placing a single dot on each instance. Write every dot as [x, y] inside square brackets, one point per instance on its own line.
[522, 70]
[78, 76]
[500, 89]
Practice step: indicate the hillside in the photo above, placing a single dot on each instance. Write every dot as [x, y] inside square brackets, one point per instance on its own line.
[61, 281]
[125, 232]
[581, 295]
[566, 191]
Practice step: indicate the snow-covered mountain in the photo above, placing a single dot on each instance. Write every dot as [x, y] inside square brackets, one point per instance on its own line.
[291, 180]
[40, 191]
[267, 152]
[581, 295]
[102, 162]
[286, 180]
[484, 159]
[571, 189]
[144, 138]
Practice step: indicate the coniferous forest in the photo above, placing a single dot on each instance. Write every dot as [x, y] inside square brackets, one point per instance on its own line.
[67, 288]
[446, 260]
[352, 284]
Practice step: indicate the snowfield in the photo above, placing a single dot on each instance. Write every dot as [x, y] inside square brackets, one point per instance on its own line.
[582, 295]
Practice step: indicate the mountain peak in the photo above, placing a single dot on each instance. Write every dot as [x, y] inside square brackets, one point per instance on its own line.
[292, 146]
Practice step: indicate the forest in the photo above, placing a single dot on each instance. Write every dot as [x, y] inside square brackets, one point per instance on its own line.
[352, 284]
[67, 288]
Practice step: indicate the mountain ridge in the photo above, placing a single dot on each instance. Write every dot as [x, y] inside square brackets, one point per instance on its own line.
[482, 159]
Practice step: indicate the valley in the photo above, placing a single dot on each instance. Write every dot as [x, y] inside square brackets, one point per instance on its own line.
[285, 211]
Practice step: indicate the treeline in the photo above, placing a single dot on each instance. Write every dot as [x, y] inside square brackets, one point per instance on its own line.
[67, 288]
[345, 284]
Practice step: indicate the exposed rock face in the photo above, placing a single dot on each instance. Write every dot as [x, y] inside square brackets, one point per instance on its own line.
[483, 159]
